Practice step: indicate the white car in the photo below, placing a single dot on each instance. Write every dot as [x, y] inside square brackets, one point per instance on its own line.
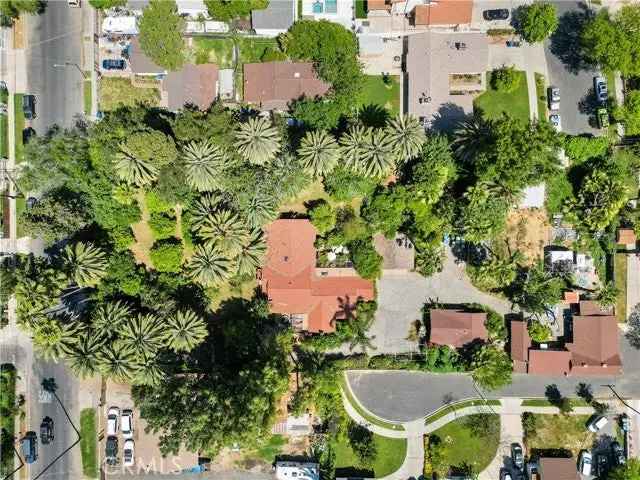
[128, 453]
[112, 420]
[597, 423]
[127, 423]
[585, 463]
[556, 121]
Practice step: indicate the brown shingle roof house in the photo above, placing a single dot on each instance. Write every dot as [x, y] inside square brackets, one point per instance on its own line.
[520, 344]
[272, 85]
[558, 469]
[193, 84]
[293, 286]
[595, 349]
[443, 12]
[456, 328]
[549, 362]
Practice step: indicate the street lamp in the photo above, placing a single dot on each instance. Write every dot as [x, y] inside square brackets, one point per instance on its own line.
[70, 64]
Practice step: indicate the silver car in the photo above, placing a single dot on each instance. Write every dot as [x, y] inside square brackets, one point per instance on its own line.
[600, 87]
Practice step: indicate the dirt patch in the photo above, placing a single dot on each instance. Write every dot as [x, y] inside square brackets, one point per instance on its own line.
[18, 32]
[143, 234]
[528, 230]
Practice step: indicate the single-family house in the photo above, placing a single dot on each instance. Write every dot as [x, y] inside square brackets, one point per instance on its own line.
[312, 298]
[289, 470]
[558, 469]
[276, 18]
[187, 8]
[192, 85]
[272, 85]
[456, 328]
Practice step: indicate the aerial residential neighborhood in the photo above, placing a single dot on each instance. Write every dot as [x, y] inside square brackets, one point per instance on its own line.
[320, 239]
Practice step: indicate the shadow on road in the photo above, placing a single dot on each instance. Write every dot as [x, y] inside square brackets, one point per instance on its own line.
[565, 42]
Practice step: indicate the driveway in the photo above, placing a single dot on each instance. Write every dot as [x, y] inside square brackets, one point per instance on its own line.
[401, 297]
[510, 432]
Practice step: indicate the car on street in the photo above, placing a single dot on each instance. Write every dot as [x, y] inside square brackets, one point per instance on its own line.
[584, 465]
[603, 117]
[505, 475]
[597, 423]
[516, 455]
[126, 424]
[46, 431]
[617, 452]
[553, 96]
[112, 420]
[29, 106]
[600, 87]
[602, 465]
[625, 423]
[111, 450]
[113, 64]
[29, 447]
[496, 14]
[513, 43]
[556, 121]
[128, 453]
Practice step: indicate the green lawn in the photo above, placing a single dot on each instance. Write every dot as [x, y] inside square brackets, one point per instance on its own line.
[461, 448]
[4, 127]
[252, 49]
[21, 206]
[493, 103]
[541, 95]
[214, 50]
[119, 92]
[620, 281]
[87, 97]
[558, 434]
[377, 92]
[7, 417]
[542, 402]
[389, 458]
[89, 442]
[19, 124]
[452, 408]
[366, 415]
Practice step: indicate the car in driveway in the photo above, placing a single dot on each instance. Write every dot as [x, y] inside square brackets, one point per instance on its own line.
[111, 450]
[602, 465]
[29, 447]
[128, 453]
[516, 456]
[29, 106]
[127, 423]
[496, 14]
[601, 90]
[113, 64]
[46, 431]
[584, 465]
[617, 453]
[112, 420]
[597, 423]
[556, 121]
[553, 96]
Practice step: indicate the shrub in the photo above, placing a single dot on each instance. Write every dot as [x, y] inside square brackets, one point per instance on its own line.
[272, 55]
[162, 226]
[155, 204]
[580, 149]
[495, 325]
[167, 256]
[537, 21]
[429, 260]
[323, 217]
[539, 332]
[344, 185]
[505, 79]
[122, 238]
[367, 262]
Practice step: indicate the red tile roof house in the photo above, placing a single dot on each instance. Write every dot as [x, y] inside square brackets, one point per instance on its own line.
[313, 298]
[456, 328]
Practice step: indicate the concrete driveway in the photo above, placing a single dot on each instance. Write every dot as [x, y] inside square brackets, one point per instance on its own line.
[510, 432]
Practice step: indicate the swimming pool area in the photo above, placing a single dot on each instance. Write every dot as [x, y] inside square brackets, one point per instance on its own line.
[325, 6]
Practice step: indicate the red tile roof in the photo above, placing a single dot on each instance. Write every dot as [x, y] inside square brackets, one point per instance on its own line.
[595, 348]
[626, 236]
[455, 327]
[290, 281]
[520, 344]
[549, 362]
[444, 12]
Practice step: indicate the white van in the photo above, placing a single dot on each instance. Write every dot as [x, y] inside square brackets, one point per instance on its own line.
[127, 423]
[112, 420]
[597, 423]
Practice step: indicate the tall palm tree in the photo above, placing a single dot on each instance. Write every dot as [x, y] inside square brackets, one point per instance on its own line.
[203, 207]
[252, 254]
[86, 263]
[148, 372]
[144, 333]
[379, 159]
[406, 137]
[257, 140]
[54, 339]
[84, 354]
[185, 331]
[209, 266]
[471, 138]
[260, 210]
[118, 361]
[133, 169]
[203, 163]
[353, 147]
[319, 152]
[226, 230]
[109, 317]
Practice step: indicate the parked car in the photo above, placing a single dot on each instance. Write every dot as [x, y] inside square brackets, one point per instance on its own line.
[617, 452]
[73, 3]
[584, 466]
[46, 431]
[112, 420]
[553, 96]
[113, 64]
[111, 450]
[513, 43]
[505, 475]
[597, 423]
[127, 423]
[603, 117]
[29, 447]
[29, 106]
[556, 121]
[602, 465]
[600, 87]
[516, 455]
[128, 453]
[625, 423]
[496, 14]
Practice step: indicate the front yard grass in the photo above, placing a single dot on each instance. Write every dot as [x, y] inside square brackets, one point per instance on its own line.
[4, 126]
[542, 402]
[390, 456]
[620, 281]
[19, 124]
[87, 96]
[119, 92]
[386, 95]
[7, 417]
[559, 435]
[541, 96]
[493, 103]
[458, 406]
[89, 442]
[21, 206]
[214, 50]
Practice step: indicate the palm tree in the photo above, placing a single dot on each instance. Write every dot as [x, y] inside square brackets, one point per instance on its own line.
[209, 266]
[134, 170]
[406, 137]
[109, 317]
[83, 356]
[148, 372]
[87, 264]
[319, 152]
[226, 230]
[144, 333]
[185, 331]
[257, 140]
[471, 138]
[379, 159]
[608, 294]
[54, 339]
[202, 208]
[252, 254]
[203, 162]
[260, 210]
[117, 360]
[353, 147]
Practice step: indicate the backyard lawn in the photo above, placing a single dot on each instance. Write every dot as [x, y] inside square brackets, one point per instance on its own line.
[7, 417]
[214, 50]
[493, 103]
[377, 92]
[389, 458]
[252, 49]
[558, 434]
[89, 442]
[119, 92]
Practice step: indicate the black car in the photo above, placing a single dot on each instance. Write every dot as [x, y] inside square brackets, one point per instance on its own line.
[46, 431]
[618, 454]
[602, 465]
[29, 446]
[111, 450]
[516, 455]
[29, 106]
[496, 14]
[113, 64]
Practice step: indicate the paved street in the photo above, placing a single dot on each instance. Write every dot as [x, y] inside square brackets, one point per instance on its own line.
[574, 78]
[55, 37]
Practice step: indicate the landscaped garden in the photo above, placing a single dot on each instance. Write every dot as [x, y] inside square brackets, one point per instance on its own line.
[368, 454]
[495, 101]
[556, 435]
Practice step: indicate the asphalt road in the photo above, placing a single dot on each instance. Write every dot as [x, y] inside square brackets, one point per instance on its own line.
[55, 37]
[569, 73]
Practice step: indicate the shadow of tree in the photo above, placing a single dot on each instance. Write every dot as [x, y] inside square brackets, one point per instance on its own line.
[565, 41]
[373, 115]
[448, 117]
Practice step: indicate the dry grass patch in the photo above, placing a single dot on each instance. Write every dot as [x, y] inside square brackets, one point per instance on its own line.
[559, 433]
[528, 230]
[119, 92]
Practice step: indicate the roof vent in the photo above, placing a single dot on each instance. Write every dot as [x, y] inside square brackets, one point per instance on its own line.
[296, 75]
[286, 259]
[604, 364]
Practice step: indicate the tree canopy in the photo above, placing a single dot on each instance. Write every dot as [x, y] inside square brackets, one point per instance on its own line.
[161, 34]
[537, 21]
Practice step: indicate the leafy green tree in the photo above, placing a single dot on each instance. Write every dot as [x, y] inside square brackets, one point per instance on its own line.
[497, 273]
[323, 217]
[429, 260]
[629, 471]
[537, 21]
[366, 260]
[491, 367]
[226, 230]
[252, 254]
[106, 4]
[117, 361]
[608, 294]
[209, 266]
[495, 325]
[184, 331]
[319, 113]
[362, 443]
[629, 112]
[144, 334]
[580, 148]
[505, 79]
[257, 140]
[161, 31]
[225, 10]
[538, 331]
[54, 339]
[142, 155]
[385, 210]
[166, 255]
[10, 10]
[86, 263]
[538, 290]
[319, 152]
[406, 136]
[191, 124]
[203, 162]
[484, 214]
[345, 184]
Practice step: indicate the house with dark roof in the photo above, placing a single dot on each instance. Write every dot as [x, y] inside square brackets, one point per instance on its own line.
[456, 328]
[558, 469]
[140, 63]
[276, 18]
[312, 298]
[192, 85]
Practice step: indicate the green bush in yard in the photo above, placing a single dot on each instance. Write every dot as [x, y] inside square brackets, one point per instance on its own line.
[156, 204]
[537, 21]
[505, 79]
[162, 226]
[167, 256]
[539, 332]
[366, 261]
[323, 217]
[581, 148]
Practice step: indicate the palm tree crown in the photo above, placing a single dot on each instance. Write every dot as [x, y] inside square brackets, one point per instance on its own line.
[185, 331]
[209, 266]
[406, 136]
[252, 254]
[118, 361]
[144, 333]
[257, 140]
[133, 169]
[379, 159]
[354, 147]
[319, 152]
[226, 230]
[203, 162]
[86, 263]
[109, 317]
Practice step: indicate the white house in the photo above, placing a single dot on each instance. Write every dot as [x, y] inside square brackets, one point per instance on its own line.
[124, 25]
